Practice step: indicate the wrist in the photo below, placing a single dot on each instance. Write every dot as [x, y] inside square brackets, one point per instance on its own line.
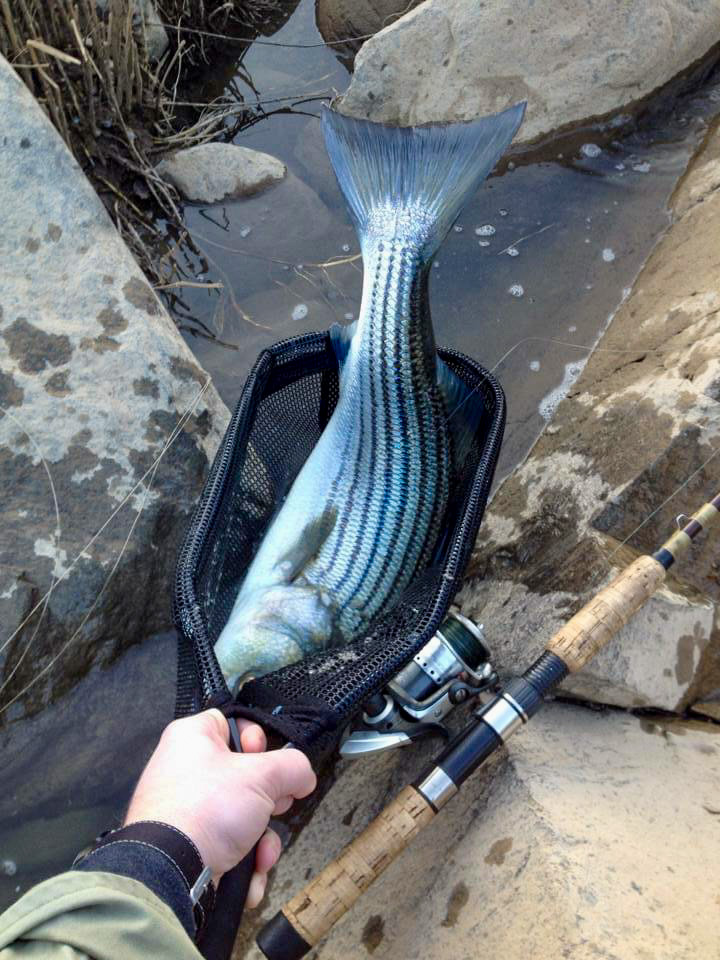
[164, 859]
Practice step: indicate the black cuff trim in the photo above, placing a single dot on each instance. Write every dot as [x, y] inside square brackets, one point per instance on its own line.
[161, 857]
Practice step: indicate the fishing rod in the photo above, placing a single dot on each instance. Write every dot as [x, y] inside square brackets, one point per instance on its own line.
[311, 914]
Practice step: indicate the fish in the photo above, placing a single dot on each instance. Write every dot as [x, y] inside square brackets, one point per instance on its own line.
[365, 512]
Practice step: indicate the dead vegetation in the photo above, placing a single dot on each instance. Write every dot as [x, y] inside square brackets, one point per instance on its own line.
[107, 73]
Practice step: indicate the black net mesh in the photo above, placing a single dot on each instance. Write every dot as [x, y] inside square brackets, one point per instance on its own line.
[287, 401]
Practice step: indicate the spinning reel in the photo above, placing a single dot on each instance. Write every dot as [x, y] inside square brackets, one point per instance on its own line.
[453, 666]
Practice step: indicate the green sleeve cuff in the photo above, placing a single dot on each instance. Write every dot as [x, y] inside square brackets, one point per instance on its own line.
[99, 915]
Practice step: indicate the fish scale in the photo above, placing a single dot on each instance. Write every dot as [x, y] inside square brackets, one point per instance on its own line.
[365, 514]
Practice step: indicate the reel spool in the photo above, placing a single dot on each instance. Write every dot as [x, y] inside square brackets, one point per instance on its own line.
[453, 666]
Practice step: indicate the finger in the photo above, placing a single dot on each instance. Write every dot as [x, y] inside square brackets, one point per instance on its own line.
[252, 736]
[282, 806]
[256, 890]
[215, 724]
[268, 851]
[287, 773]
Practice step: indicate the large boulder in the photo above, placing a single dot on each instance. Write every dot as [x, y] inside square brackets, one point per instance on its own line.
[581, 841]
[107, 428]
[572, 61]
[628, 450]
[210, 172]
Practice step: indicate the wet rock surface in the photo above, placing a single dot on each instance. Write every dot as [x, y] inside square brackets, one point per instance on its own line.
[558, 848]
[68, 771]
[216, 171]
[456, 59]
[627, 451]
[94, 382]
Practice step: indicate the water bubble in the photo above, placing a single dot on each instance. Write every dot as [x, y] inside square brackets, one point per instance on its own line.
[643, 167]
[588, 286]
[436, 265]
[572, 328]
[590, 150]
[483, 243]
[300, 311]
[511, 166]
[245, 232]
[503, 213]
[608, 255]
[620, 166]
[486, 230]
[457, 228]
[346, 248]
[8, 867]
[516, 290]
[587, 239]
[299, 266]
[349, 316]
[512, 252]
[535, 365]
[286, 266]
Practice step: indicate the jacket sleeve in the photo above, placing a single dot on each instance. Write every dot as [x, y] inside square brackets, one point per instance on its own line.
[79, 915]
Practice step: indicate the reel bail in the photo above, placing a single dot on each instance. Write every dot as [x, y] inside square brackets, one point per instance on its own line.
[453, 666]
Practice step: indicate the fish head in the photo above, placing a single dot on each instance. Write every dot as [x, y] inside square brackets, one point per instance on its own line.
[274, 628]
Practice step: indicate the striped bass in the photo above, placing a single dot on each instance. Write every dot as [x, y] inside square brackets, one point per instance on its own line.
[365, 513]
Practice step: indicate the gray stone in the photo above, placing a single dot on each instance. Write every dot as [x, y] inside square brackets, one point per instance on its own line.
[344, 19]
[628, 450]
[572, 62]
[581, 841]
[95, 381]
[215, 171]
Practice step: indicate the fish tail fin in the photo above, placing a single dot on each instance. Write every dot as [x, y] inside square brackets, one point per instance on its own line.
[433, 169]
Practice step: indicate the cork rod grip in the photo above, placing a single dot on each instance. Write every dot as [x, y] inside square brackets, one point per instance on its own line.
[315, 910]
[599, 620]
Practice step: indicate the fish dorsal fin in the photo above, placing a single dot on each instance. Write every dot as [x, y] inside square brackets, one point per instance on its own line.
[308, 545]
[341, 337]
[464, 408]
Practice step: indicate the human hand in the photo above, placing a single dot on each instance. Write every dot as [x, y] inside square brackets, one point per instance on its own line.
[220, 799]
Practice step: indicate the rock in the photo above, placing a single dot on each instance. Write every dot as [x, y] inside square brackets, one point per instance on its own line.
[628, 451]
[344, 19]
[95, 381]
[580, 842]
[211, 172]
[572, 62]
[62, 782]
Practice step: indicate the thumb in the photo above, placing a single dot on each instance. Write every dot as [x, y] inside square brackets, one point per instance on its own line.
[287, 773]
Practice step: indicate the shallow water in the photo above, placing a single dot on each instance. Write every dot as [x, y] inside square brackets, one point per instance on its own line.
[525, 282]
[527, 298]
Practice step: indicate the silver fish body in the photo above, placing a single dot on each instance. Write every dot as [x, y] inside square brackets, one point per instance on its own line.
[364, 514]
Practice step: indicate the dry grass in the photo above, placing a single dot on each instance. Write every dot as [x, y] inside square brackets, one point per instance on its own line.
[87, 64]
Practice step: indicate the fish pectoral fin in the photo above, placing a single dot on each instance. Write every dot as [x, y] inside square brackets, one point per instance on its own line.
[341, 337]
[308, 545]
[464, 409]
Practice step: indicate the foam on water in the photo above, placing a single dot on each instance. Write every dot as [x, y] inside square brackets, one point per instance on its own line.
[516, 290]
[608, 255]
[551, 401]
[486, 230]
[590, 150]
[300, 311]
